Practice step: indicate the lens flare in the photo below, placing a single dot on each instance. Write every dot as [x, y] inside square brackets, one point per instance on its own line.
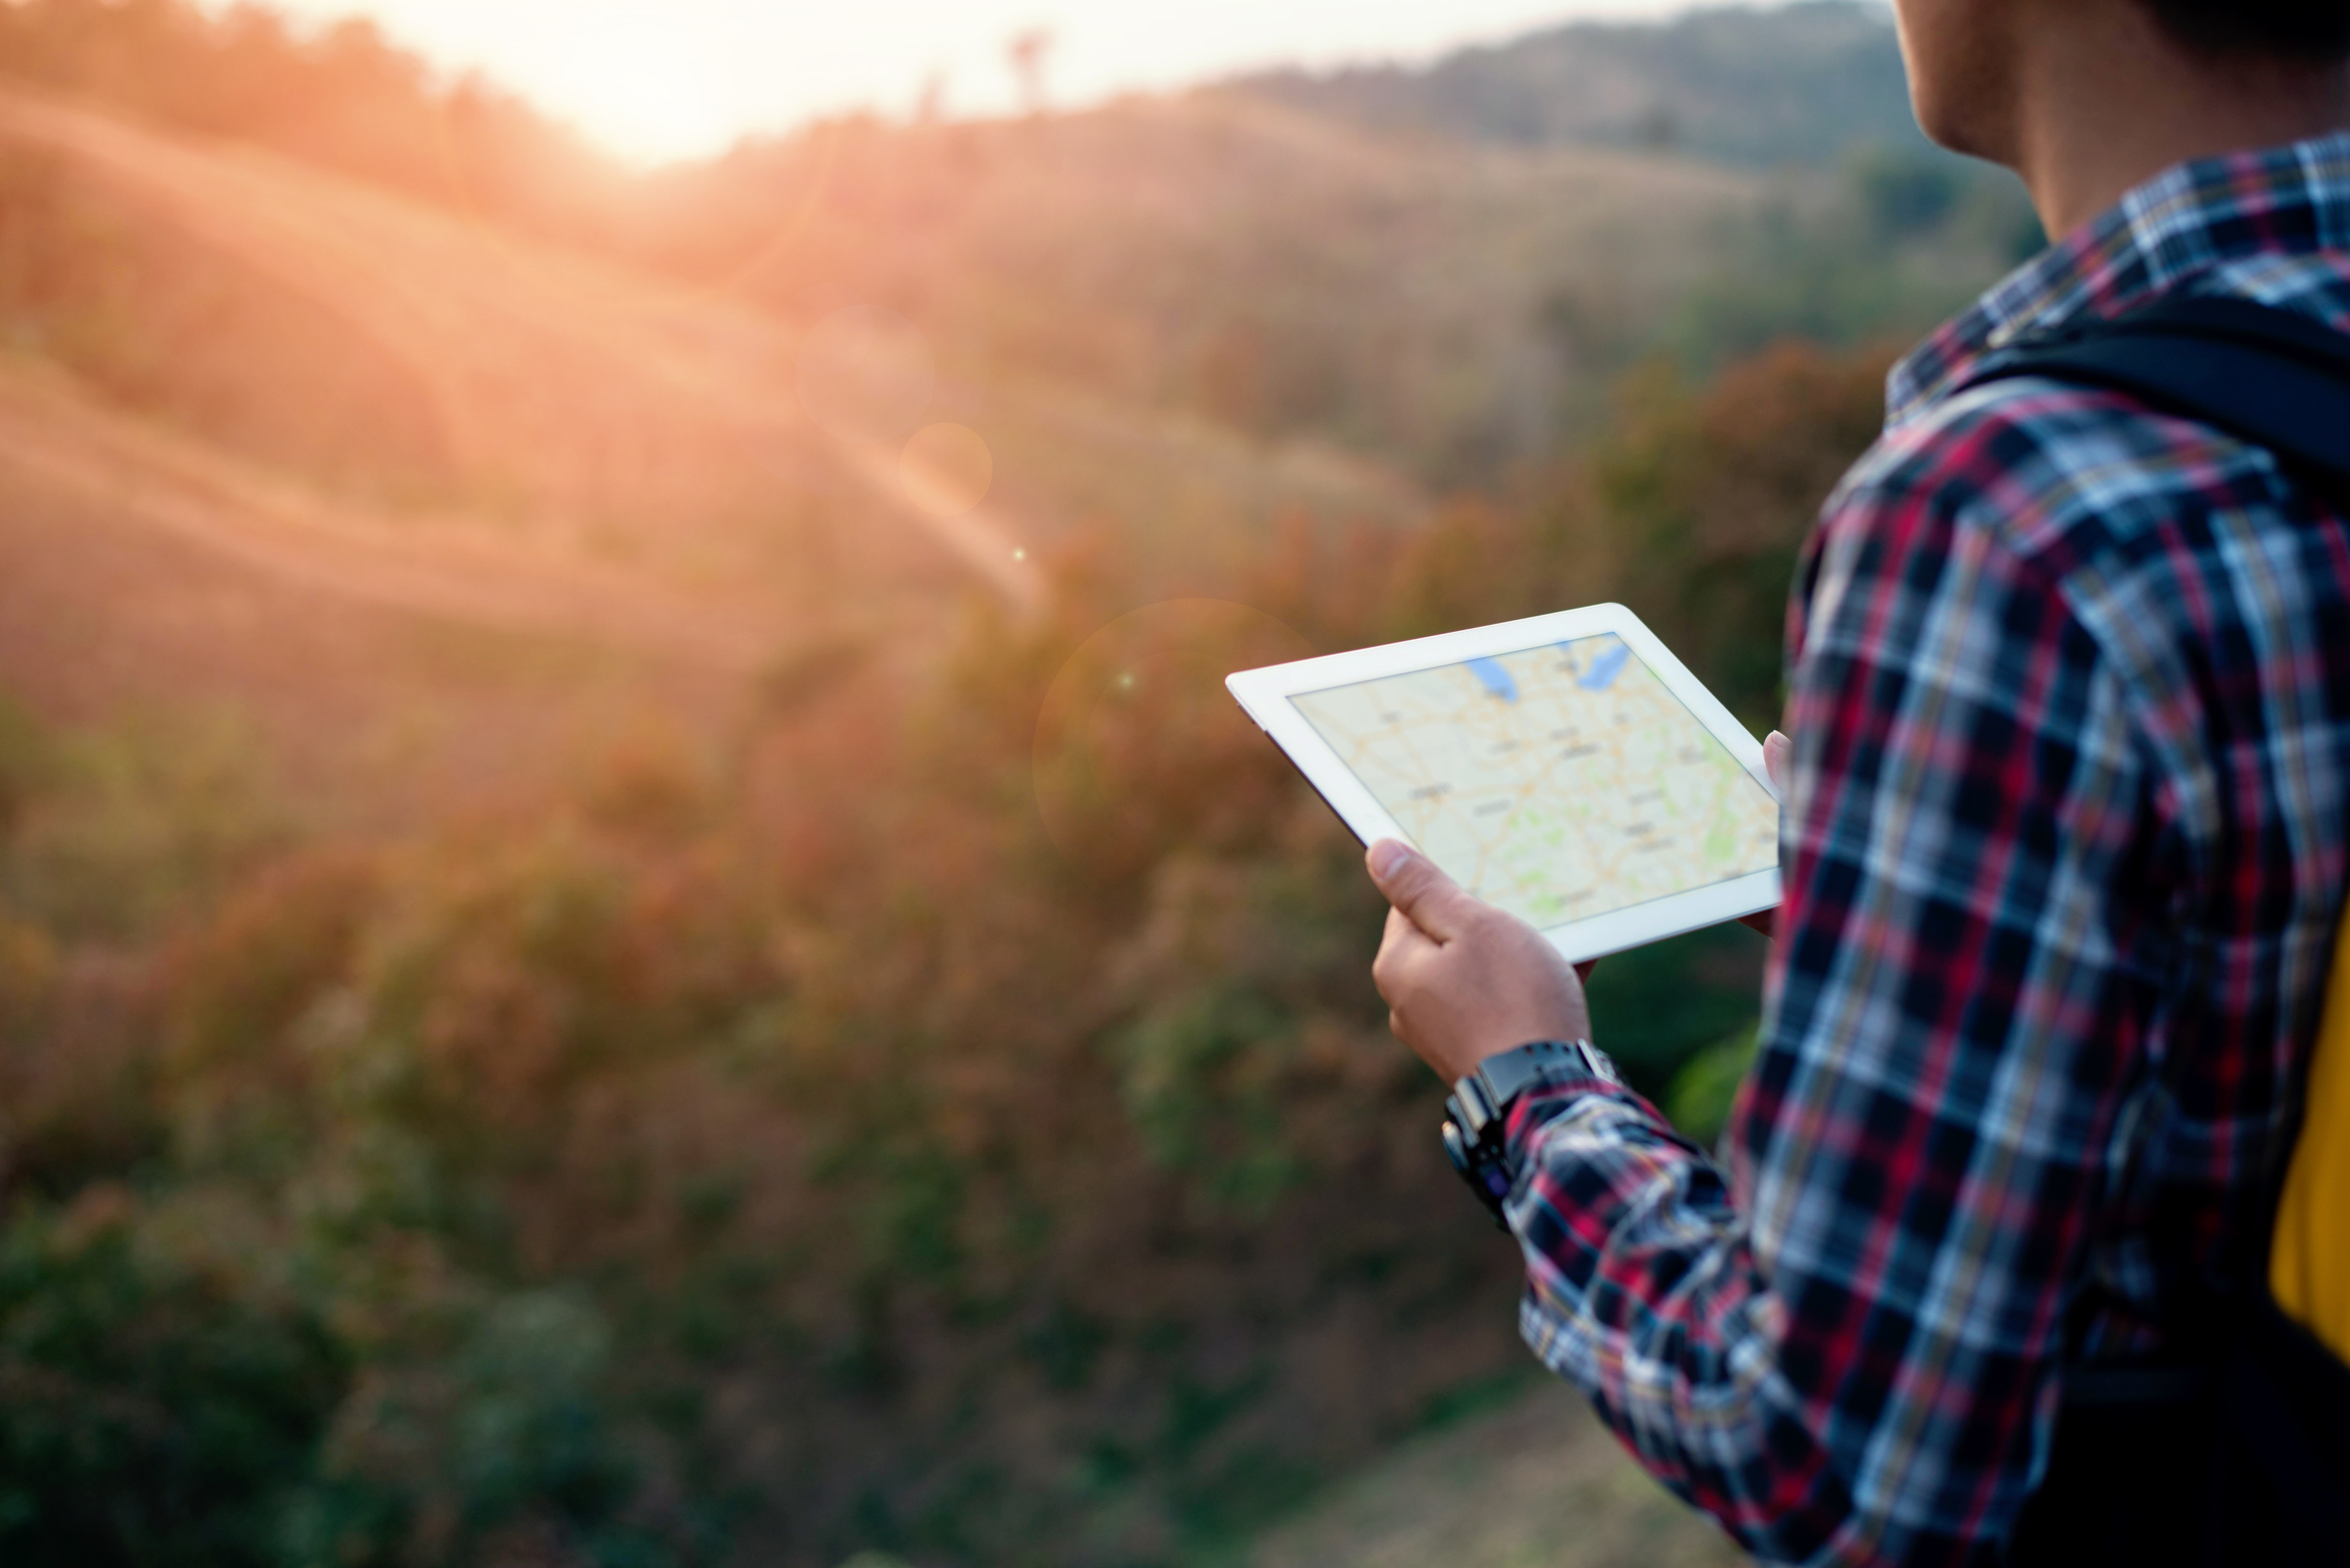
[947, 470]
[1138, 743]
[866, 375]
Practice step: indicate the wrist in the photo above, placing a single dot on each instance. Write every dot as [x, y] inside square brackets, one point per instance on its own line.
[1476, 1130]
[1465, 1064]
[1487, 1090]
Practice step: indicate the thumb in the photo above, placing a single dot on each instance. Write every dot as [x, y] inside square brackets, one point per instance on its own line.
[1776, 749]
[1424, 895]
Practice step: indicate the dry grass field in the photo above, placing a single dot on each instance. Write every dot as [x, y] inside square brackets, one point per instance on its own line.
[1536, 1484]
[282, 404]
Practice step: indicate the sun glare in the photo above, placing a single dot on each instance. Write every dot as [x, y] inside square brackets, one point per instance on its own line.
[657, 79]
[636, 92]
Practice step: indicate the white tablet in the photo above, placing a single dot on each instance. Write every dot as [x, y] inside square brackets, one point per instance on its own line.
[1567, 768]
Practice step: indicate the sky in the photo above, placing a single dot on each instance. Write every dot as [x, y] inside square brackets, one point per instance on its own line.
[672, 78]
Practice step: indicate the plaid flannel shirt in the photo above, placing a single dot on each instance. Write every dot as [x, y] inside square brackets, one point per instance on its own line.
[2070, 697]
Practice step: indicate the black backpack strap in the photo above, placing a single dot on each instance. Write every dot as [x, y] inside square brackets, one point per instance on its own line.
[2239, 1453]
[2274, 377]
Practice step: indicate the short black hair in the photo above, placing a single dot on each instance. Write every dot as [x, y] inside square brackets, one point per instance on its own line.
[2316, 31]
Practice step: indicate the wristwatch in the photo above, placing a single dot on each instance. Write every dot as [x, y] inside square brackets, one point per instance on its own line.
[1477, 1113]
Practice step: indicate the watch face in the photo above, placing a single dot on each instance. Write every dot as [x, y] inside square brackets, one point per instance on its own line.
[1482, 1169]
[1456, 1147]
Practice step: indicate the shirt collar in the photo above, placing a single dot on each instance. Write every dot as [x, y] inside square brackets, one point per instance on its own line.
[2186, 221]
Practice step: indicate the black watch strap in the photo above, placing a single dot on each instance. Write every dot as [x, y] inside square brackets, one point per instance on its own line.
[1483, 1096]
[1479, 1105]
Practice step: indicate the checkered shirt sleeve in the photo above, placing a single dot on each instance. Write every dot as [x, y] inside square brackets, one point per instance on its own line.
[1841, 1344]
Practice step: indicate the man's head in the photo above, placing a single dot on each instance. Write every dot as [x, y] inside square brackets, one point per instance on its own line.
[2009, 79]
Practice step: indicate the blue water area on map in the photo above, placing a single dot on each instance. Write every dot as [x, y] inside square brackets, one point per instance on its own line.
[1495, 679]
[1604, 668]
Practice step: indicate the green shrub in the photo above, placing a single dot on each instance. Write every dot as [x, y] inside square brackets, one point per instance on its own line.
[127, 826]
[507, 1439]
[1707, 1085]
[161, 1395]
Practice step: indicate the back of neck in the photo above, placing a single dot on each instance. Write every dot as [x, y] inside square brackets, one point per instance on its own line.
[2107, 104]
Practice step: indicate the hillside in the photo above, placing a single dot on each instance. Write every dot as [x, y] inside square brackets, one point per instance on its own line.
[634, 925]
[252, 408]
[1247, 266]
[1534, 1483]
[1800, 84]
[1171, 325]
[367, 401]
[1204, 285]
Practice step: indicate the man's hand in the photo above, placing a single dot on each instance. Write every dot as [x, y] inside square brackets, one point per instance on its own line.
[1463, 981]
[1775, 749]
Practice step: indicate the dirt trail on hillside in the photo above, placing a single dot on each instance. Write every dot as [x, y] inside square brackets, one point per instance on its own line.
[505, 332]
[56, 444]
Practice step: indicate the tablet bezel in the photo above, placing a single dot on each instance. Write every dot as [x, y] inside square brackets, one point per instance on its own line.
[1265, 695]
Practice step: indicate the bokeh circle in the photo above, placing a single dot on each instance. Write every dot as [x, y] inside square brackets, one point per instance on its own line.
[1140, 749]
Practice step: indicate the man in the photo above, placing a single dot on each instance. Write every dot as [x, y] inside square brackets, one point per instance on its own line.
[2068, 794]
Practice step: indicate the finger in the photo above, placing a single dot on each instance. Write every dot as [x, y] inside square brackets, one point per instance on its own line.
[1401, 948]
[1426, 895]
[1777, 751]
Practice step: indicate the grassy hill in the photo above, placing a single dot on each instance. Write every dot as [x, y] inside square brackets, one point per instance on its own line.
[1198, 284]
[1239, 264]
[1180, 316]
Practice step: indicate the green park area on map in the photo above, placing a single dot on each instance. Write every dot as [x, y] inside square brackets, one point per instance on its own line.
[1558, 782]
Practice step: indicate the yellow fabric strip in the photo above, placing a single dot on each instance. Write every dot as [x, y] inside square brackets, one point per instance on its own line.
[2309, 1270]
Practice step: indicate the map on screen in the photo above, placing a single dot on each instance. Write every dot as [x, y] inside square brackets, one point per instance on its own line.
[1559, 783]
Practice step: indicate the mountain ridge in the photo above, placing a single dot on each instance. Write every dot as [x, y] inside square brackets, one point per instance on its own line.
[1805, 83]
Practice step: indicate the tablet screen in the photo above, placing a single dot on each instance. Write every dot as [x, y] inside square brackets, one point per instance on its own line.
[1559, 783]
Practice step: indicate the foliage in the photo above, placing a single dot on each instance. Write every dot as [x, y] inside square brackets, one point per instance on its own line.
[1707, 1087]
[160, 1393]
[133, 822]
[1002, 1100]
[182, 1390]
[1900, 240]
[1724, 486]
[1218, 258]
[24, 761]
